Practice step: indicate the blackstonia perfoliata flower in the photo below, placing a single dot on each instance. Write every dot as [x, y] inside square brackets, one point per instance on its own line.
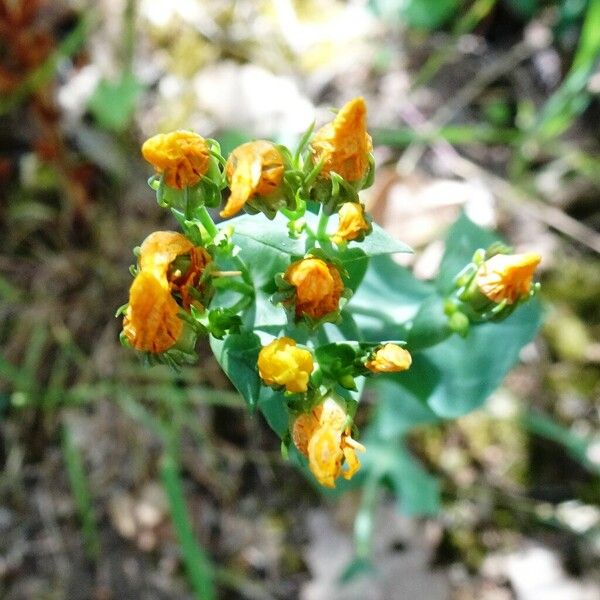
[323, 435]
[254, 170]
[181, 157]
[151, 322]
[352, 225]
[344, 146]
[318, 287]
[282, 363]
[507, 277]
[389, 358]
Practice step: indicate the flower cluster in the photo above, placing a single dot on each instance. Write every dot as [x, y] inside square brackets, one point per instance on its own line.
[200, 282]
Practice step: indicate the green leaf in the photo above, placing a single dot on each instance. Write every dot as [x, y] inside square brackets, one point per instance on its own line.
[273, 234]
[401, 399]
[420, 14]
[463, 238]
[380, 242]
[388, 297]
[472, 368]
[418, 492]
[237, 354]
[264, 315]
[274, 407]
[456, 375]
[523, 8]
[113, 103]
[430, 325]
[355, 262]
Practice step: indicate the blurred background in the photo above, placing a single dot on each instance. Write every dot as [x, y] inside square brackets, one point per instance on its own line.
[486, 106]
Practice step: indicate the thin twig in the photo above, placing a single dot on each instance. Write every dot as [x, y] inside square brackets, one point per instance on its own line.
[226, 273]
[534, 207]
[464, 97]
[510, 194]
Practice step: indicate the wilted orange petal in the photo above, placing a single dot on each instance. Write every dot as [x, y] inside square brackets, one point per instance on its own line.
[160, 249]
[151, 323]
[344, 144]
[253, 169]
[182, 156]
[507, 276]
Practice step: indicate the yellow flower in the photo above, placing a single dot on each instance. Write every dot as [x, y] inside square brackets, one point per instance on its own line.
[151, 323]
[161, 249]
[344, 145]
[507, 276]
[282, 363]
[252, 169]
[352, 223]
[181, 156]
[318, 287]
[390, 358]
[323, 435]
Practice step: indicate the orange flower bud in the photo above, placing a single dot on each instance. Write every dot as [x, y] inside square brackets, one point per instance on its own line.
[352, 223]
[344, 145]
[323, 435]
[507, 277]
[182, 157]
[282, 363]
[151, 323]
[318, 287]
[253, 169]
[390, 358]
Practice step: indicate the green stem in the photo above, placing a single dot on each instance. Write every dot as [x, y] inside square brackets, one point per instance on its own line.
[322, 226]
[188, 207]
[241, 304]
[207, 222]
[245, 271]
[129, 17]
[240, 286]
[363, 523]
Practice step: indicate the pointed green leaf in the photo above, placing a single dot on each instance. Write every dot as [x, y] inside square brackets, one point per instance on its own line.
[237, 354]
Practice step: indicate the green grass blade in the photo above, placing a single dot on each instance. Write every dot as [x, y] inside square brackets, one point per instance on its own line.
[46, 71]
[8, 291]
[572, 97]
[544, 426]
[473, 16]
[81, 493]
[197, 564]
[453, 134]
[14, 375]
[35, 347]
[55, 390]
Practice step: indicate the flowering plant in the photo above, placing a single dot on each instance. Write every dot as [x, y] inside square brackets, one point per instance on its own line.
[304, 308]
